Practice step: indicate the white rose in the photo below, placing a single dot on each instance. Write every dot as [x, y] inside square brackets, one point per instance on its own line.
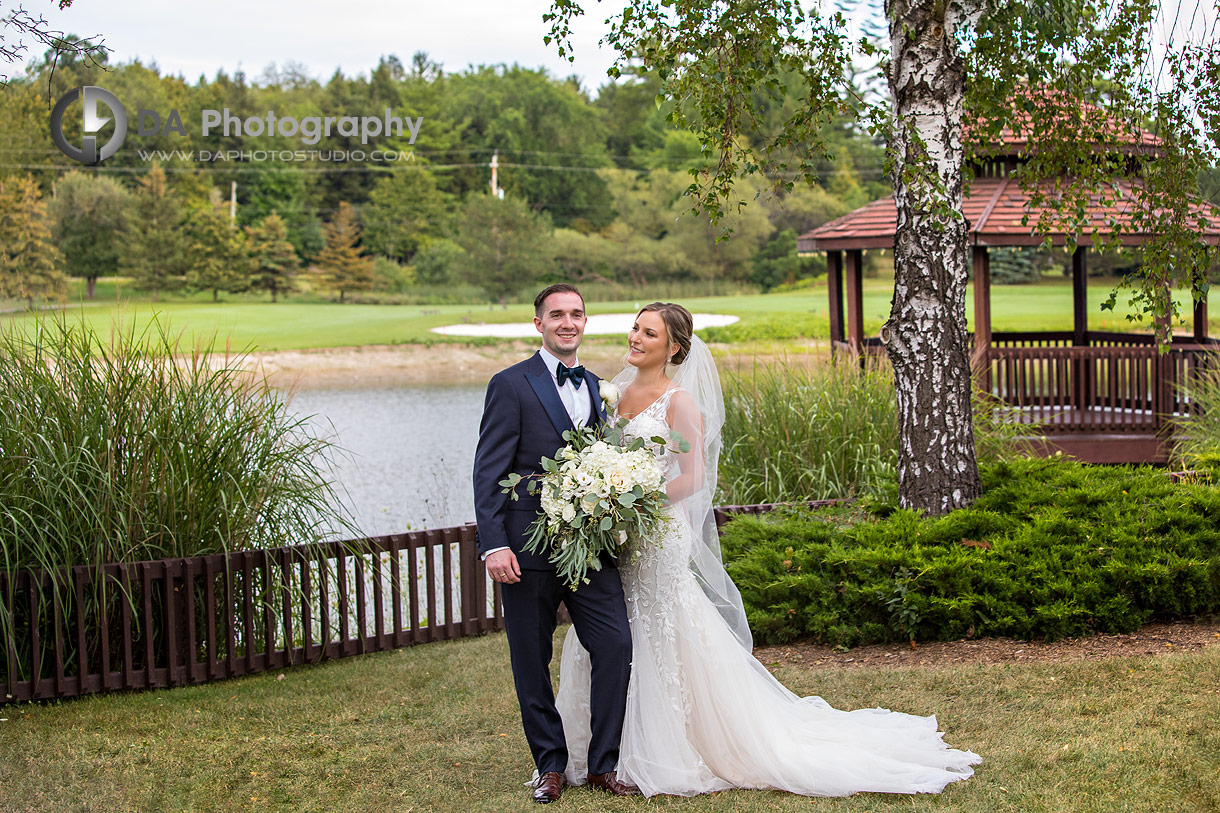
[619, 480]
[610, 393]
[569, 512]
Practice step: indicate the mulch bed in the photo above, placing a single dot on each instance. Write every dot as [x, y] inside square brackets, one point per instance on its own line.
[1154, 639]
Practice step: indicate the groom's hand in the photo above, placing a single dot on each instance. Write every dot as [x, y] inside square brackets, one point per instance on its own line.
[502, 566]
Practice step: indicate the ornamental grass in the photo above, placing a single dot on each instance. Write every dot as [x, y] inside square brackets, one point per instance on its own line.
[808, 433]
[123, 449]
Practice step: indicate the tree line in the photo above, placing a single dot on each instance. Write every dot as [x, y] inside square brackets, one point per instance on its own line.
[593, 188]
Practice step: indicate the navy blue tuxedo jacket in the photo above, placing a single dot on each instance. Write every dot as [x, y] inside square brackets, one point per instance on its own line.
[523, 422]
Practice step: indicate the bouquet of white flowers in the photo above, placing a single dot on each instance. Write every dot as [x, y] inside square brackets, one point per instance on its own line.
[596, 495]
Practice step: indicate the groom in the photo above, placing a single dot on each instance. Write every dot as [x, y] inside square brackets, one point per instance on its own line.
[527, 409]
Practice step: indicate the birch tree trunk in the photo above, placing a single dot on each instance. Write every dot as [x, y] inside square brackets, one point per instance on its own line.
[925, 335]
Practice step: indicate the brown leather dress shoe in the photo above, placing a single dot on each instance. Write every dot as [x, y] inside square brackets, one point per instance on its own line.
[549, 786]
[610, 782]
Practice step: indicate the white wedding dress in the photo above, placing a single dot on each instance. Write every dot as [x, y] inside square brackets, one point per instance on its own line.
[704, 715]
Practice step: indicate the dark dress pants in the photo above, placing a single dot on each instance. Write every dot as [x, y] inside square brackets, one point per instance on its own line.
[600, 616]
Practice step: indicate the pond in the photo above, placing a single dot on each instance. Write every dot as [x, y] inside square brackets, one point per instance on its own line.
[409, 451]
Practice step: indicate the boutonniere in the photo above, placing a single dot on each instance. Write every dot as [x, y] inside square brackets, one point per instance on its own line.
[610, 393]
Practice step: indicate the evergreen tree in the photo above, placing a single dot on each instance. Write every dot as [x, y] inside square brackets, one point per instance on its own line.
[273, 261]
[155, 254]
[1013, 266]
[29, 261]
[776, 262]
[217, 255]
[344, 267]
[25, 130]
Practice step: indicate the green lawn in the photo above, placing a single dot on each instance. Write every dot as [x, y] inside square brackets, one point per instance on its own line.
[436, 727]
[247, 323]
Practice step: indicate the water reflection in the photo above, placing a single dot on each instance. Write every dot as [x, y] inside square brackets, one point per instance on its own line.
[411, 449]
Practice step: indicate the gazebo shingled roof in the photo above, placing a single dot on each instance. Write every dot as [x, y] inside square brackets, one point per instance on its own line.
[1101, 395]
[994, 208]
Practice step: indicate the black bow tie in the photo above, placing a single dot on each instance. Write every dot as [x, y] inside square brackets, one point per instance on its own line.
[576, 374]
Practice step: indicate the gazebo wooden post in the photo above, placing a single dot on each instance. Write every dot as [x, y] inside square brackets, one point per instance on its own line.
[1199, 364]
[1080, 298]
[855, 301]
[834, 287]
[1082, 372]
[982, 317]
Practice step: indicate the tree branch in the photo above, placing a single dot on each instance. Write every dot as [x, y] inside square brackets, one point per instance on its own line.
[27, 26]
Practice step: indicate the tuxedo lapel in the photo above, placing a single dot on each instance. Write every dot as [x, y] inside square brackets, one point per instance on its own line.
[595, 394]
[540, 379]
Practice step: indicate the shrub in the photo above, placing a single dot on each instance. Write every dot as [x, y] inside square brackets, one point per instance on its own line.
[391, 277]
[1052, 549]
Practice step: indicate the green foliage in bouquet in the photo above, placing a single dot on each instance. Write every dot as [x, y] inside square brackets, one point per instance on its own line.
[598, 495]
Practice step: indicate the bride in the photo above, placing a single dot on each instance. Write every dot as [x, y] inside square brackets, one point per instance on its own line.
[702, 713]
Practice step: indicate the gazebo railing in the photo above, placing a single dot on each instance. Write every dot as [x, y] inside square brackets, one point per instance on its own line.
[1118, 388]
[1050, 338]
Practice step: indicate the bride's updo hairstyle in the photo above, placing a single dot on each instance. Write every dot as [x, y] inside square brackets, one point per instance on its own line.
[678, 323]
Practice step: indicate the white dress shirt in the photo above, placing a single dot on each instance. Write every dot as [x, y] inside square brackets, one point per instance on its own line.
[575, 401]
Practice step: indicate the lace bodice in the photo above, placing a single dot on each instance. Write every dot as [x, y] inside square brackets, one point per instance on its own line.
[650, 422]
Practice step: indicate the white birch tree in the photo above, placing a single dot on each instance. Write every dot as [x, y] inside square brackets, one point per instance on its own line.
[1074, 77]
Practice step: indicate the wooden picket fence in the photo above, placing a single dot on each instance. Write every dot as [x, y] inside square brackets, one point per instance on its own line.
[176, 622]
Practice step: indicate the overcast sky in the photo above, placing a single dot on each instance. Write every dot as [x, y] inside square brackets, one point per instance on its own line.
[193, 37]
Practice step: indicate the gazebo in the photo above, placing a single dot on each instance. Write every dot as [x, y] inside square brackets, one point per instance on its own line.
[1102, 396]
